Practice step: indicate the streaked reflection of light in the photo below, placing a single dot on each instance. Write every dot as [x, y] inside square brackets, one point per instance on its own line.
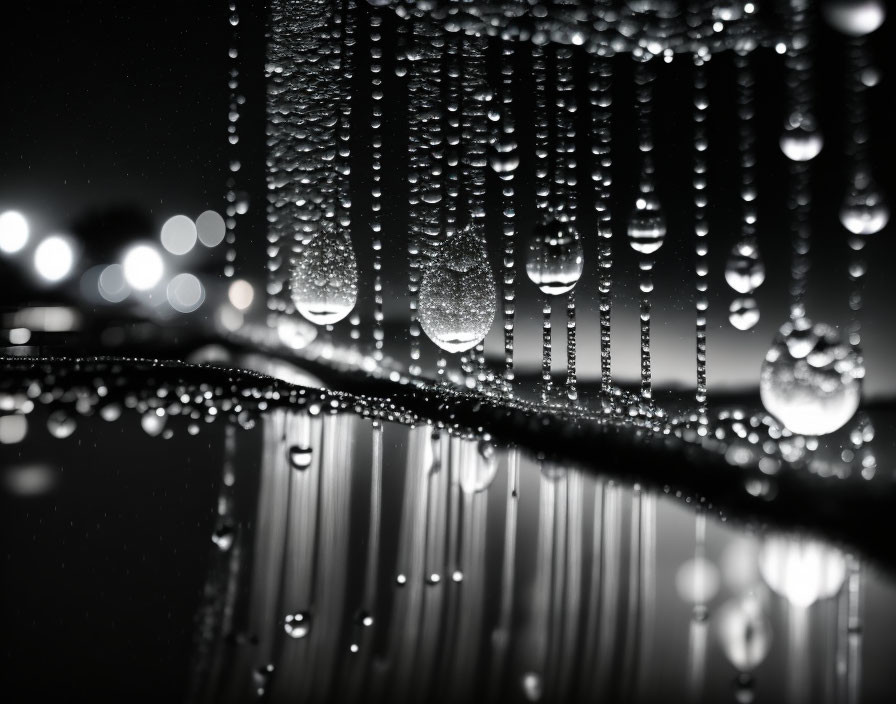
[210, 228]
[54, 258]
[112, 284]
[801, 570]
[13, 429]
[19, 336]
[30, 479]
[241, 294]
[143, 267]
[14, 231]
[185, 293]
[179, 234]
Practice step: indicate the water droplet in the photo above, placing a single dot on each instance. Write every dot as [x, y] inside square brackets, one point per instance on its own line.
[324, 280]
[801, 570]
[478, 474]
[153, 422]
[224, 535]
[864, 210]
[811, 379]
[801, 140]
[745, 271]
[647, 225]
[61, 424]
[555, 257]
[855, 18]
[297, 625]
[299, 457]
[458, 293]
[504, 157]
[260, 679]
[744, 632]
[743, 313]
[532, 686]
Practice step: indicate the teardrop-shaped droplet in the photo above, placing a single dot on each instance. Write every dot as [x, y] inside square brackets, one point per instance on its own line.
[801, 139]
[555, 257]
[745, 271]
[324, 280]
[504, 157]
[743, 313]
[800, 569]
[744, 632]
[458, 293]
[854, 18]
[297, 625]
[647, 225]
[61, 424]
[299, 457]
[478, 475]
[813, 383]
[864, 210]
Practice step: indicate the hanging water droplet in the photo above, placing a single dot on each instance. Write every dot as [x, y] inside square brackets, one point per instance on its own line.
[260, 679]
[458, 292]
[297, 625]
[647, 225]
[299, 457]
[479, 474]
[504, 157]
[812, 384]
[745, 271]
[61, 424]
[801, 139]
[855, 18]
[555, 257]
[324, 280]
[864, 210]
[743, 313]
[110, 412]
[224, 535]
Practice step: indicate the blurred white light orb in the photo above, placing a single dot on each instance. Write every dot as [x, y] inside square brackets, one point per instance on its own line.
[241, 294]
[697, 581]
[185, 293]
[179, 234]
[54, 258]
[112, 284]
[14, 231]
[143, 267]
[744, 632]
[801, 570]
[210, 228]
[13, 428]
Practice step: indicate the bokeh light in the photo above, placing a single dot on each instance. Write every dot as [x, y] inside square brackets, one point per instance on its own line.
[13, 429]
[185, 293]
[14, 231]
[54, 258]
[179, 234]
[143, 267]
[112, 284]
[241, 294]
[211, 229]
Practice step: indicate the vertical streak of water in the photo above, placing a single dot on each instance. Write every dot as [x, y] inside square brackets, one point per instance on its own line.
[233, 138]
[376, 165]
[701, 229]
[542, 197]
[629, 672]
[854, 622]
[509, 226]
[697, 630]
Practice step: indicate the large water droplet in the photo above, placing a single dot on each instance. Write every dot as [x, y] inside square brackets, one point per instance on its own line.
[801, 139]
[854, 17]
[324, 280]
[812, 383]
[297, 625]
[864, 210]
[555, 257]
[745, 271]
[647, 225]
[458, 293]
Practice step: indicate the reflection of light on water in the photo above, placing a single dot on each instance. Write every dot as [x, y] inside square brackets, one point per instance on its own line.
[185, 293]
[14, 231]
[210, 228]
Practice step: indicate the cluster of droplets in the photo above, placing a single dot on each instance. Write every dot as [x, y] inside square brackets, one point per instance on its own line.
[701, 230]
[237, 201]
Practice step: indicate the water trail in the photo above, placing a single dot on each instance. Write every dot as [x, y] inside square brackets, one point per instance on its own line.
[233, 138]
[699, 624]
[745, 270]
[505, 161]
[600, 100]
[376, 165]
[542, 193]
[701, 229]
[344, 133]
[647, 225]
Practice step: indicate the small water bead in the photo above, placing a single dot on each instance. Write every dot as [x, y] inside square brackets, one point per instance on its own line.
[60, 424]
[299, 457]
[647, 225]
[855, 18]
[801, 139]
[743, 313]
[324, 279]
[864, 210]
[458, 294]
[745, 270]
[555, 257]
[812, 382]
[297, 625]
